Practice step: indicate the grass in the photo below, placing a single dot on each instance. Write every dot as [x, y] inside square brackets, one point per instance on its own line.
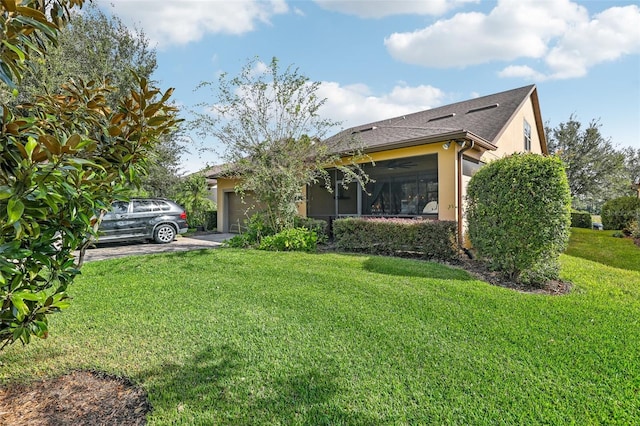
[602, 247]
[250, 337]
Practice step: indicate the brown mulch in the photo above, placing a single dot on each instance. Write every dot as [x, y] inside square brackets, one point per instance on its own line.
[480, 271]
[77, 398]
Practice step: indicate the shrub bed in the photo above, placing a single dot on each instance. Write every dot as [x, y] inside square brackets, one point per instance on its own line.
[320, 227]
[397, 237]
[619, 213]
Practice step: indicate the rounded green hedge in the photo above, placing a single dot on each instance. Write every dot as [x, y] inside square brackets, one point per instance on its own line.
[620, 212]
[581, 219]
[519, 217]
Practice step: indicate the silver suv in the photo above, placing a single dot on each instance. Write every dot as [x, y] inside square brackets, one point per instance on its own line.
[154, 219]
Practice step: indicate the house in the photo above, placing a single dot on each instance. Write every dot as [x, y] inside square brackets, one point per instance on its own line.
[422, 162]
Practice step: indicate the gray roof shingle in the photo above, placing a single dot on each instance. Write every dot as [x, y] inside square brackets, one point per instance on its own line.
[485, 117]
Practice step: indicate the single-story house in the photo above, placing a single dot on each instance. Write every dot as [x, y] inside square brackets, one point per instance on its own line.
[422, 161]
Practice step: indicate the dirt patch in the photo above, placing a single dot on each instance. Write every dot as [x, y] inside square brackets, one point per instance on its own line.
[77, 398]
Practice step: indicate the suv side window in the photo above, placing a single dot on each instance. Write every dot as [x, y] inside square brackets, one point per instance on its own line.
[144, 206]
[163, 206]
[119, 207]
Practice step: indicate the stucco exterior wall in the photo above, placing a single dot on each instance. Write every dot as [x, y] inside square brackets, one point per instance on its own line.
[512, 138]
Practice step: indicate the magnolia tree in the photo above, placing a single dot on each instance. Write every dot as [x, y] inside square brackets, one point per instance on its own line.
[64, 158]
[269, 121]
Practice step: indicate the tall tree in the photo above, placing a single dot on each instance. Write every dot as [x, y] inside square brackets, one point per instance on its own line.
[268, 120]
[593, 165]
[94, 47]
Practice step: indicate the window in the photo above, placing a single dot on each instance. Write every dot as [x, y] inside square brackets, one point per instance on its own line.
[405, 187]
[143, 206]
[527, 136]
[399, 187]
[470, 166]
[119, 207]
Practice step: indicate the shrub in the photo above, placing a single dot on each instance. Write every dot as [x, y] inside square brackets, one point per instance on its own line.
[617, 214]
[320, 227]
[392, 237]
[211, 221]
[519, 216]
[581, 219]
[294, 239]
[256, 230]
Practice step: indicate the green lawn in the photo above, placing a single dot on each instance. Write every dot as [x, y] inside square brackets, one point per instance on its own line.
[249, 337]
[602, 247]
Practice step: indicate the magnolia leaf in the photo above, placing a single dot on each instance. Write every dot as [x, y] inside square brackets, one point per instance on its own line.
[30, 146]
[15, 208]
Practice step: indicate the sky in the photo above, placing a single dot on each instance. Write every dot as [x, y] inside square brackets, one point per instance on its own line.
[383, 58]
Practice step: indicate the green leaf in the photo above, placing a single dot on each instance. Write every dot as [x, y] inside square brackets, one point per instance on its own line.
[5, 192]
[30, 146]
[15, 49]
[15, 208]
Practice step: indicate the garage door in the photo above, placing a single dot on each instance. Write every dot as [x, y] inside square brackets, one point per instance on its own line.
[237, 211]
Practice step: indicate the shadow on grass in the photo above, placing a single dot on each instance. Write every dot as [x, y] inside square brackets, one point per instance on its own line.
[220, 383]
[414, 268]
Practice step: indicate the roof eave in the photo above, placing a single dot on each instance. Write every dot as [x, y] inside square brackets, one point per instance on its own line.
[479, 142]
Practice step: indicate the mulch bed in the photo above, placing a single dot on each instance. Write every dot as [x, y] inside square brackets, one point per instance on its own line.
[77, 398]
[480, 271]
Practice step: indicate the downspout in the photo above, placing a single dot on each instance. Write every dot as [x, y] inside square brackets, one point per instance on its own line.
[460, 218]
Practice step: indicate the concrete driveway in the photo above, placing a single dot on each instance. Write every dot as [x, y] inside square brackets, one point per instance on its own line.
[182, 243]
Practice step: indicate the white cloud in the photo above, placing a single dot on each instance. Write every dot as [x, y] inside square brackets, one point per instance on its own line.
[608, 36]
[355, 105]
[380, 9]
[560, 33]
[179, 22]
[522, 71]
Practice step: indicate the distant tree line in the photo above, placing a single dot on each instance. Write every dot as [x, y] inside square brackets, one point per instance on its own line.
[596, 169]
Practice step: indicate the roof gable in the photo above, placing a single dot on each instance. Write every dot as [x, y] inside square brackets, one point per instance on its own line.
[484, 117]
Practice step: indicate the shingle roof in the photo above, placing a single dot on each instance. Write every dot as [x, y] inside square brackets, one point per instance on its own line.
[484, 117]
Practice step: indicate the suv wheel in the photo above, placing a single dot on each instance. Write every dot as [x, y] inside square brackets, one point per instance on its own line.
[164, 234]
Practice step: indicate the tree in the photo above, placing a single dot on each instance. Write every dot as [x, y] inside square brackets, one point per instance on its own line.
[93, 47]
[64, 158]
[594, 167]
[193, 195]
[162, 175]
[27, 29]
[269, 122]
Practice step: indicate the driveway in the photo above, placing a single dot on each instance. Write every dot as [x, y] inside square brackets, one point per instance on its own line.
[182, 243]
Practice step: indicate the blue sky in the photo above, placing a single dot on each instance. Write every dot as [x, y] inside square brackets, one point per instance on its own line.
[383, 58]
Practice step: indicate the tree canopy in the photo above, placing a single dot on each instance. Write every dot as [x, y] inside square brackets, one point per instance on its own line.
[269, 122]
[595, 168]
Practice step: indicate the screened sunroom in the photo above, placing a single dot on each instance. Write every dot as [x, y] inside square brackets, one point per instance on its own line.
[405, 187]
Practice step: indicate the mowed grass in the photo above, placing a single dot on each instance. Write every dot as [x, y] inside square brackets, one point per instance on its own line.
[250, 337]
[602, 247]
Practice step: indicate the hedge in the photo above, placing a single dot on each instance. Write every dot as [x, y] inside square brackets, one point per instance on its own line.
[619, 213]
[319, 226]
[518, 212]
[581, 219]
[428, 239]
